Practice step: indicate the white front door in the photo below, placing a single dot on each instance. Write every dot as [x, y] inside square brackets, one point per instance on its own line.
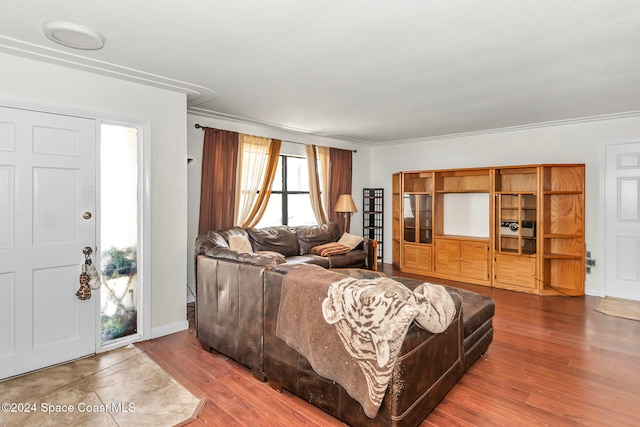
[622, 220]
[47, 183]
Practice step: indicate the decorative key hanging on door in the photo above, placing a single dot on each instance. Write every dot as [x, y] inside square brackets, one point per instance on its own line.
[89, 278]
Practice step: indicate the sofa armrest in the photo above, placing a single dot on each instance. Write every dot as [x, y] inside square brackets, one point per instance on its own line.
[207, 240]
[229, 310]
[370, 247]
[263, 260]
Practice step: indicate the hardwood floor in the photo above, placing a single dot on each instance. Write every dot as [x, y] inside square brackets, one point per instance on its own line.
[554, 361]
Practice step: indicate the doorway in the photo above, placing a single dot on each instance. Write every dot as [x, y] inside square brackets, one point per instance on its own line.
[51, 205]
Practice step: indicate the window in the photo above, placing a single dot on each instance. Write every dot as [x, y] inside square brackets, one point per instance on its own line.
[119, 235]
[289, 203]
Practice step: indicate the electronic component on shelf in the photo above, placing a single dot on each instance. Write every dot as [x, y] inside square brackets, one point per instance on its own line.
[511, 228]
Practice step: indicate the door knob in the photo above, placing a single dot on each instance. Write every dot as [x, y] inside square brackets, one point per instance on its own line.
[86, 215]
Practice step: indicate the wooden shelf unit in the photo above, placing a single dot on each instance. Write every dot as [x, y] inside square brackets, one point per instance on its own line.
[463, 181]
[536, 227]
[373, 216]
[396, 218]
[457, 256]
[516, 241]
[562, 245]
[414, 215]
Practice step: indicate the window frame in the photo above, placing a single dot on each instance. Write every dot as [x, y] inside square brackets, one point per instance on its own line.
[285, 192]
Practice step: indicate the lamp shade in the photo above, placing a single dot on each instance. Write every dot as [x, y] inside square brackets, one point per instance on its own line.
[345, 204]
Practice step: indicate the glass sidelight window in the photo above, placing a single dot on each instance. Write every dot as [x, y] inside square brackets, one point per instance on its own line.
[119, 234]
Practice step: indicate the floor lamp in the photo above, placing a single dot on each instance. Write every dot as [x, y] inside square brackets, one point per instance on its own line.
[346, 207]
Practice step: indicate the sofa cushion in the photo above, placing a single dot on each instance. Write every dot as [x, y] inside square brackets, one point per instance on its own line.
[280, 239]
[309, 259]
[359, 273]
[354, 258]
[310, 236]
[477, 309]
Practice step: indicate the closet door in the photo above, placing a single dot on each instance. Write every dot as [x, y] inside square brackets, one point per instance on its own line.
[622, 221]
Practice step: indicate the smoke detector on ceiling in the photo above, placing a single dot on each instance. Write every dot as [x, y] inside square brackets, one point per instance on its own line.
[73, 35]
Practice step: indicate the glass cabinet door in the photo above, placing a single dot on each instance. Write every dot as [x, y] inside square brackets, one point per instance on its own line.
[516, 223]
[409, 210]
[528, 223]
[424, 219]
[417, 218]
[508, 223]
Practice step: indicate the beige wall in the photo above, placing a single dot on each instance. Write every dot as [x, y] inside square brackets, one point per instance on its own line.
[38, 85]
[569, 143]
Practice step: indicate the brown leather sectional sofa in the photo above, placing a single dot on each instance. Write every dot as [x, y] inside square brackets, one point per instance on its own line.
[237, 301]
[230, 284]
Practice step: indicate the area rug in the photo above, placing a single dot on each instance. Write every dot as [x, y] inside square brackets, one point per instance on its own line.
[618, 307]
[123, 387]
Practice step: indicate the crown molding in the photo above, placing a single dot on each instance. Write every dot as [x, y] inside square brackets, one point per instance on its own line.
[239, 119]
[588, 119]
[196, 94]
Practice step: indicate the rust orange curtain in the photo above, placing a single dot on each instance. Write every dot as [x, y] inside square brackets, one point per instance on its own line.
[218, 188]
[341, 164]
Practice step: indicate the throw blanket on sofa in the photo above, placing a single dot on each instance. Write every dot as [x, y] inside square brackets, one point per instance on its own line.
[331, 248]
[351, 330]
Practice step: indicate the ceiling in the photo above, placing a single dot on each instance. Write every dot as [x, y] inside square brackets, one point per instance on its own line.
[370, 71]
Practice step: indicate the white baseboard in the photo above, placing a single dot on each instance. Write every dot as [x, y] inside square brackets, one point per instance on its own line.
[595, 293]
[172, 328]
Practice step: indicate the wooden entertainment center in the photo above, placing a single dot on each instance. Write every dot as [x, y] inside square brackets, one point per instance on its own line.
[512, 227]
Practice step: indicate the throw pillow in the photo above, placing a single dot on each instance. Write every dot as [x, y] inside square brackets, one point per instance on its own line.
[350, 240]
[240, 243]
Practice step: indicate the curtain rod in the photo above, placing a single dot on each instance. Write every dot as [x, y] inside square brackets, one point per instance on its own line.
[198, 126]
